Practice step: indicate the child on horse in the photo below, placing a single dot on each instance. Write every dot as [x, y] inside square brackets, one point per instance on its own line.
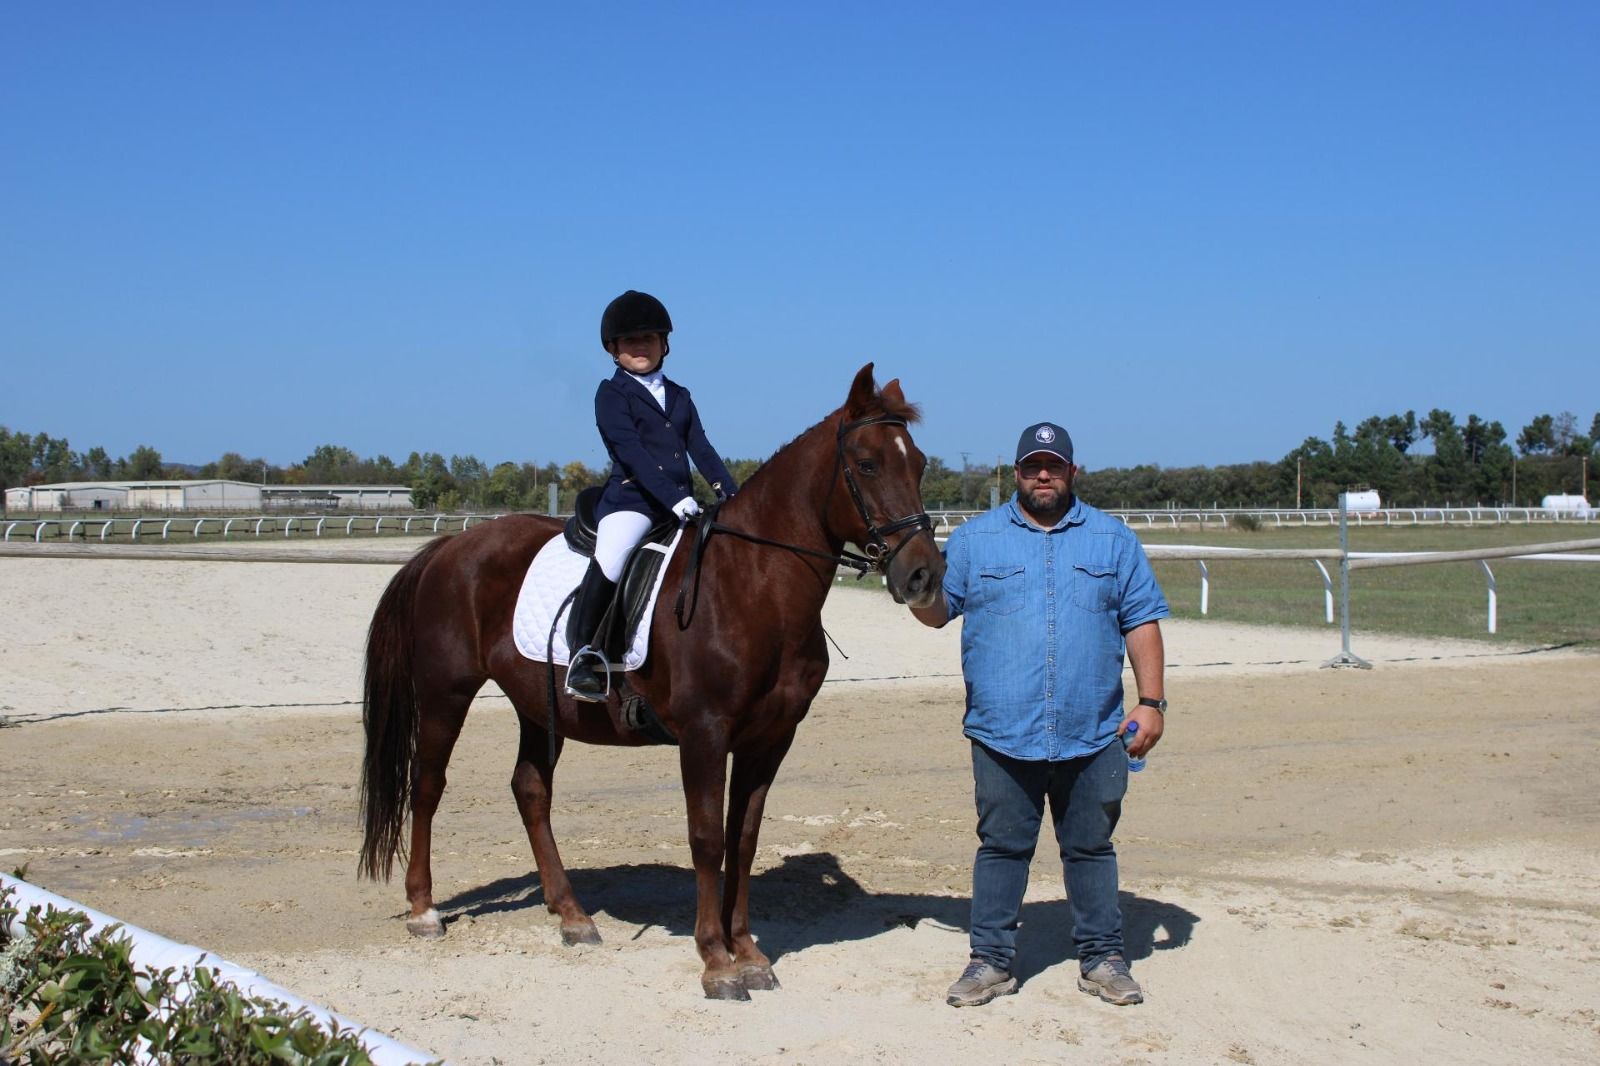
[651, 430]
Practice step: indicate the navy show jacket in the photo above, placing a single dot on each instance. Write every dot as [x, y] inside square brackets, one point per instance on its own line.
[650, 448]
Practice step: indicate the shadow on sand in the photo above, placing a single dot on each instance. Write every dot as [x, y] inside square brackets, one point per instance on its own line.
[810, 900]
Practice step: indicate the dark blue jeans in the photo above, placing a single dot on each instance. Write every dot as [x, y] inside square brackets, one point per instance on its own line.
[1085, 797]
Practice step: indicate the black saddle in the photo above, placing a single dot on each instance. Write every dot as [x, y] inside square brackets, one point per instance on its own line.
[638, 575]
[580, 527]
[622, 618]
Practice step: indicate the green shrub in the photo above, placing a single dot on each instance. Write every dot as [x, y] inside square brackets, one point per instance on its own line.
[68, 997]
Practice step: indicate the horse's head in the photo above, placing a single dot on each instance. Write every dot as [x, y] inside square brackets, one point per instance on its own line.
[877, 497]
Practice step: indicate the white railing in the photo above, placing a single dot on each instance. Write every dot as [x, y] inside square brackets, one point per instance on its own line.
[1294, 518]
[1559, 552]
[105, 529]
[41, 529]
[1562, 551]
[1201, 554]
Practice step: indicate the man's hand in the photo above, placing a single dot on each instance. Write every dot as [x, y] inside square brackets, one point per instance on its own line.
[1150, 722]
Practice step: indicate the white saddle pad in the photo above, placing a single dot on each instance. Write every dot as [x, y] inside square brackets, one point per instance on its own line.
[555, 572]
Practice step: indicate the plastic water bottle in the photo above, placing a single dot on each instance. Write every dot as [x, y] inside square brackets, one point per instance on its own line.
[1135, 763]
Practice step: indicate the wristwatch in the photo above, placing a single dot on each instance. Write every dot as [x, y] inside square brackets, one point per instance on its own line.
[1159, 705]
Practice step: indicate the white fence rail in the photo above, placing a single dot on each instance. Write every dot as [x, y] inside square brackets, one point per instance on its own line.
[1296, 518]
[161, 527]
[1555, 552]
[134, 528]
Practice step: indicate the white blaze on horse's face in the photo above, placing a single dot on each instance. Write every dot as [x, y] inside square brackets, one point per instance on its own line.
[900, 442]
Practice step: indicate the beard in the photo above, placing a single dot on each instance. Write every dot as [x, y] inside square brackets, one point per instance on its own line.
[1048, 503]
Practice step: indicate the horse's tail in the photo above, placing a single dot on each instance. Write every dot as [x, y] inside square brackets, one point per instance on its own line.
[389, 712]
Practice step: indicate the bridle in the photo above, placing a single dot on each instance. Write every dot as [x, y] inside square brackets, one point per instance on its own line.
[876, 552]
[877, 549]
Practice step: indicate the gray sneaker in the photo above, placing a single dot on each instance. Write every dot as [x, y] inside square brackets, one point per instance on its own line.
[979, 983]
[1111, 981]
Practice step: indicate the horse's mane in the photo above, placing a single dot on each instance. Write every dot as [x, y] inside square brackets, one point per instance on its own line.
[878, 405]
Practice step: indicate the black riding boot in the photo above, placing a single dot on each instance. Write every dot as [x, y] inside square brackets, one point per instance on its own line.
[583, 623]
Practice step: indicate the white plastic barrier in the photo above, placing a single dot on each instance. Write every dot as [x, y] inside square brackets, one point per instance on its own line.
[151, 951]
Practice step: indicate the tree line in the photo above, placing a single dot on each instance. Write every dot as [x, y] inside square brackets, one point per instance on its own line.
[1475, 462]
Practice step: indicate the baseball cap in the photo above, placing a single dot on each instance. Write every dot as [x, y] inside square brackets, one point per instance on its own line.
[1044, 437]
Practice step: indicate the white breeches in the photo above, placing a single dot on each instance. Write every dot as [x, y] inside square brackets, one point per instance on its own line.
[615, 537]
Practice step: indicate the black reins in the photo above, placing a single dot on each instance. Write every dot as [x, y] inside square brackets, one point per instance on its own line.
[877, 554]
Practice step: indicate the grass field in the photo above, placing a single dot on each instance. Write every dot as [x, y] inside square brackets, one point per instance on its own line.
[1539, 602]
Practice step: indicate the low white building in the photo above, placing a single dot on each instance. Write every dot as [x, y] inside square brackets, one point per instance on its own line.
[204, 495]
[68, 496]
[342, 497]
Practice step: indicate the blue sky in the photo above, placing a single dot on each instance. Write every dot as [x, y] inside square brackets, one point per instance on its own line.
[1192, 233]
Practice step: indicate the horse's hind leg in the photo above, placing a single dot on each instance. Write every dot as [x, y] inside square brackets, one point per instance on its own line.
[531, 785]
[440, 717]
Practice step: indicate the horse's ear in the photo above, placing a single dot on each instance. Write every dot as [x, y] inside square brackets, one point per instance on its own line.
[893, 398]
[862, 391]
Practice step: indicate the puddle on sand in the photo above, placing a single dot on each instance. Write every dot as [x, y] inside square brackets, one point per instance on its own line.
[184, 829]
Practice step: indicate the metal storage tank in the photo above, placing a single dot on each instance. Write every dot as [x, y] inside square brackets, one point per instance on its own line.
[1577, 506]
[1365, 500]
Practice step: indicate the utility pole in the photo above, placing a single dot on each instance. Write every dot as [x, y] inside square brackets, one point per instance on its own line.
[964, 478]
[1297, 483]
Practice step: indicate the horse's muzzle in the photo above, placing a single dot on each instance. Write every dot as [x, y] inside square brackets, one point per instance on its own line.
[916, 576]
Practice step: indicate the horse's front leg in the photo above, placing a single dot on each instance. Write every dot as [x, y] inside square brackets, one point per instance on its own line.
[753, 773]
[705, 774]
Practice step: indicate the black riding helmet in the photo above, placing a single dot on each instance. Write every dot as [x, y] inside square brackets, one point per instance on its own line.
[631, 313]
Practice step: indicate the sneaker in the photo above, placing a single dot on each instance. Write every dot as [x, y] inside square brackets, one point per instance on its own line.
[1111, 981]
[980, 982]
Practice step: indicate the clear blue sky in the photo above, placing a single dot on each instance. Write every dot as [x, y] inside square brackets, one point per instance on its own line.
[1192, 233]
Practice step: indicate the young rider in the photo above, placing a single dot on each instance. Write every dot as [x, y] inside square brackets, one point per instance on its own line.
[651, 430]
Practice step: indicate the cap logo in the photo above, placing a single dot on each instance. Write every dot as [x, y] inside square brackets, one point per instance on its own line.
[1044, 435]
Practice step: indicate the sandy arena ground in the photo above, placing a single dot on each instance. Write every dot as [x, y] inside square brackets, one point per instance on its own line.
[1318, 866]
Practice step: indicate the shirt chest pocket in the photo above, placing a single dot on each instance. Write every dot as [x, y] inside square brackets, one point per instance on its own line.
[1094, 586]
[1001, 588]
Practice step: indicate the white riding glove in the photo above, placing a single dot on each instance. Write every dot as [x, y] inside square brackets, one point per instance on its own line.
[686, 508]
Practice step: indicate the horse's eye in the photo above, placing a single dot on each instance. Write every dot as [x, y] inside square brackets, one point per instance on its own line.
[867, 467]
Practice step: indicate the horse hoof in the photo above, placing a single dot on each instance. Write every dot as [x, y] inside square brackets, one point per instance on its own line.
[573, 935]
[427, 925]
[758, 979]
[725, 988]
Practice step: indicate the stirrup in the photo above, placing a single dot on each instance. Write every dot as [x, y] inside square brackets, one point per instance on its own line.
[604, 671]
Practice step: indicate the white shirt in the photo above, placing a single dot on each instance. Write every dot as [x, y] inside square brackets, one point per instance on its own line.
[654, 381]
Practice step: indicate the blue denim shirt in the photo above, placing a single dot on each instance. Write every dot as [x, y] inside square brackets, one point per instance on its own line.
[1044, 612]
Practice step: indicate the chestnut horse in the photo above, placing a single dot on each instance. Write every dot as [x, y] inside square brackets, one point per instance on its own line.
[734, 675]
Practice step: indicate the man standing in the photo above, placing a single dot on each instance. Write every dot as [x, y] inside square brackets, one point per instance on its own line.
[1052, 591]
